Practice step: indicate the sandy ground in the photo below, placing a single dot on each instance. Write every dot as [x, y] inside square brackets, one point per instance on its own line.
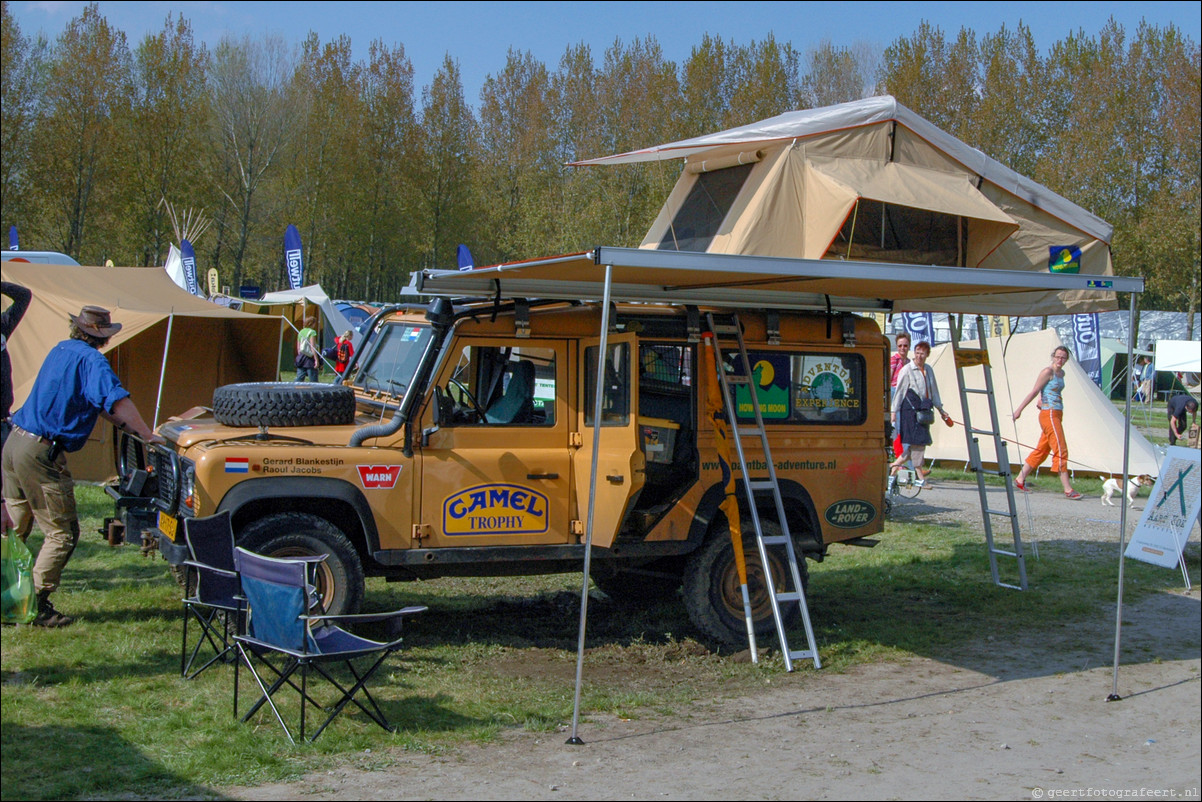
[989, 720]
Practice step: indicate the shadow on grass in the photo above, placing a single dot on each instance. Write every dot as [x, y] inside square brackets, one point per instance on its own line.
[55, 762]
[943, 606]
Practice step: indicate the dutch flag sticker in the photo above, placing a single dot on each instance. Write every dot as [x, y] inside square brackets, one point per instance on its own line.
[237, 465]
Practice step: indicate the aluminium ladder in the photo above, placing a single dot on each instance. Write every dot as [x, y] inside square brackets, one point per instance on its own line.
[965, 358]
[777, 598]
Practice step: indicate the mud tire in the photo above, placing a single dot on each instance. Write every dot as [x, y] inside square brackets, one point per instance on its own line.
[298, 534]
[284, 404]
[711, 585]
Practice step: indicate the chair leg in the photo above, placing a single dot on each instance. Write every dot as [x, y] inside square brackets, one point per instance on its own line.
[348, 696]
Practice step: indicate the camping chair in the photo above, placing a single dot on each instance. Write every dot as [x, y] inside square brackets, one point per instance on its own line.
[215, 596]
[517, 404]
[280, 629]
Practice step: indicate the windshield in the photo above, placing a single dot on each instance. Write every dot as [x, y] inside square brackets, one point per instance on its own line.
[396, 350]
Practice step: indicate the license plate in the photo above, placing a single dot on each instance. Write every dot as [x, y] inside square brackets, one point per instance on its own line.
[168, 525]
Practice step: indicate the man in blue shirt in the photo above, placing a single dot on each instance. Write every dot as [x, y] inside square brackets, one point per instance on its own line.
[74, 387]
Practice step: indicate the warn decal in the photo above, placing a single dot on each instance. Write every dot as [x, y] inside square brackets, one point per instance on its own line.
[376, 476]
[495, 509]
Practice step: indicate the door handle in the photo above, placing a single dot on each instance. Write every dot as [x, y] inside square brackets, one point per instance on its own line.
[615, 478]
[542, 476]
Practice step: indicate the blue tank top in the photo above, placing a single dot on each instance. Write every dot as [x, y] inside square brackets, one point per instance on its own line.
[1050, 397]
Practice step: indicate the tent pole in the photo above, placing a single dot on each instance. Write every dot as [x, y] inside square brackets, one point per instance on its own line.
[1118, 612]
[158, 401]
[592, 500]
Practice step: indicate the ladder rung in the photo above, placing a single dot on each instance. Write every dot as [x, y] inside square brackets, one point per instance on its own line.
[750, 431]
[736, 379]
[802, 655]
[1012, 587]
[1004, 553]
[788, 595]
[774, 540]
[723, 328]
[1002, 513]
[985, 432]
[978, 392]
[762, 484]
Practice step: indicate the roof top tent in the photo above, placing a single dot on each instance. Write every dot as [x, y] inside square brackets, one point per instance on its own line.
[871, 181]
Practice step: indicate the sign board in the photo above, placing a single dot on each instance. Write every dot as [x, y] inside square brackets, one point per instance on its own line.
[1171, 511]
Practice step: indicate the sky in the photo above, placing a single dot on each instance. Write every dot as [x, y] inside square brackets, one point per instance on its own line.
[478, 35]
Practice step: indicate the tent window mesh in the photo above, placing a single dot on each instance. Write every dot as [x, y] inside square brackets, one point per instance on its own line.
[886, 232]
[702, 213]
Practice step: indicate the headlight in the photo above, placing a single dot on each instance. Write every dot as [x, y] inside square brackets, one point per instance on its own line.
[189, 503]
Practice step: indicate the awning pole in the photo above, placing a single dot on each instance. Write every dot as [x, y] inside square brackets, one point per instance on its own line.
[602, 355]
[158, 402]
[1118, 612]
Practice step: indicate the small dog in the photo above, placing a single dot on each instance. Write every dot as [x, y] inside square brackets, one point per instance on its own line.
[1112, 486]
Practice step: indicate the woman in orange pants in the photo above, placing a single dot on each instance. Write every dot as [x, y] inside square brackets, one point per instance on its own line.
[1049, 386]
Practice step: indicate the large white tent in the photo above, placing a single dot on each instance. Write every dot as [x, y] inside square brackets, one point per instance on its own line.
[1093, 425]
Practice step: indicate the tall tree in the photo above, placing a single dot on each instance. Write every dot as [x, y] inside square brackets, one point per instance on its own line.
[22, 61]
[767, 79]
[87, 92]
[170, 108]
[449, 131]
[517, 159]
[933, 78]
[833, 76]
[255, 116]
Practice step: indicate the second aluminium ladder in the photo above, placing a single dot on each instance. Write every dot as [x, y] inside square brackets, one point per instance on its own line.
[794, 592]
[969, 357]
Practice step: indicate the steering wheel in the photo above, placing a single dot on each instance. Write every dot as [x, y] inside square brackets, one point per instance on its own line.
[465, 393]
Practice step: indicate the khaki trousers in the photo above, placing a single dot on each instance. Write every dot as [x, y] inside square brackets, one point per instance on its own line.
[37, 488]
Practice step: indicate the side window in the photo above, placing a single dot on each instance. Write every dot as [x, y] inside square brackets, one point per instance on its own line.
[500, 386]
[822, 389]
[615, 394]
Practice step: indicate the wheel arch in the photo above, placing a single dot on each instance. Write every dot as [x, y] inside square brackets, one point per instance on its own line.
[339, 502]
[799, 511]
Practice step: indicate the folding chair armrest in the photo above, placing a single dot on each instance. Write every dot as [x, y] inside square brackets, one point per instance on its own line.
[367, 618]
[206, 567]
[393, 627]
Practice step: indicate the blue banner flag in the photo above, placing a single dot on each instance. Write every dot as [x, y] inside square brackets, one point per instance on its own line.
[13, 243]
[187, 257]
[464, 255]
[1088, 347]
[920, 326]
[293, 258]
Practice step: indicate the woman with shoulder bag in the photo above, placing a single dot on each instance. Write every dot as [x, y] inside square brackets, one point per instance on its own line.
[306, 352]
[915, 400]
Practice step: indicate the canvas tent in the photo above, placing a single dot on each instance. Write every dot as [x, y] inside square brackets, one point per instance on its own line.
[872, 181]
[1179, 356]
[173, 349]
[295, 306]
[1093, 426]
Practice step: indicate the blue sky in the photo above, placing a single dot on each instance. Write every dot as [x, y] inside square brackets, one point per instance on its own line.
[479, 34]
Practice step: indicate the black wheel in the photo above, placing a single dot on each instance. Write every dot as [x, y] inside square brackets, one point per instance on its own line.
[644, 585]
[298, 534]
[284, 404]
[712, 593]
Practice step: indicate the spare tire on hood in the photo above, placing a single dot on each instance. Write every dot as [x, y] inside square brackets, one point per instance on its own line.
[284, 404]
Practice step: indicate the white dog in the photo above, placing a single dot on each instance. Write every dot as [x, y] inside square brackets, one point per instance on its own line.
[1112, 486]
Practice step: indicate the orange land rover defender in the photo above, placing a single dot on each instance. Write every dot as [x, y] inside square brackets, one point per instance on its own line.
[462, 439]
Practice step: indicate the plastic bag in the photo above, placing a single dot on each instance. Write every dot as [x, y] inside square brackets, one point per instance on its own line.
[18, 602]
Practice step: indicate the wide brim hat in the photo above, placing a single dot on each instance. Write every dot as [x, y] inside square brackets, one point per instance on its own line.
[96, 321]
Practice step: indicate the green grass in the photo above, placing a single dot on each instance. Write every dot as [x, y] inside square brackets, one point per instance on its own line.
[98, 709]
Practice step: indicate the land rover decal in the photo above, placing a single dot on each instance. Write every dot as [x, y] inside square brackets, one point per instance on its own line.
[495, 509]
[850, 513]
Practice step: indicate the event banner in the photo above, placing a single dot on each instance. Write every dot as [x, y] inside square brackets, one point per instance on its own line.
[1171, 511]
[1087, 345]
[187, 257]
[920, 326]
[293, 258]
[14, 242]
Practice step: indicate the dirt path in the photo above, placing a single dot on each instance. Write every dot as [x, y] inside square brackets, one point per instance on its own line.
[993, 720]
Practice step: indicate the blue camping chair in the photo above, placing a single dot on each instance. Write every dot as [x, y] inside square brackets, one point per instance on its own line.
[214, 599]
[283, 637]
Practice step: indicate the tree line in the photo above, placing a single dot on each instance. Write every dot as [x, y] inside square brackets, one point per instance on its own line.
[102, 140]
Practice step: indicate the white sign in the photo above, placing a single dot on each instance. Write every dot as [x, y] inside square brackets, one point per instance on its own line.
[1171, 511]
